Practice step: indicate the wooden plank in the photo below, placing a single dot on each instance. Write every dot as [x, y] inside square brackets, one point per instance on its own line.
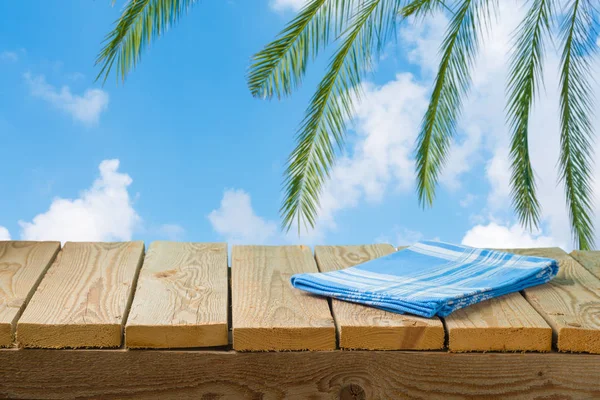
[181, 297]
[268, 313]
[22, 266]
[507, 323]
[362, 327]
[570, 303]
[84, 298]
[164, 374]
[589, 259]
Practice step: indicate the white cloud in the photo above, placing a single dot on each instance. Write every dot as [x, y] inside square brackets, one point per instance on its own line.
[171, 231]
[497, 236]
[400, 237]
[9, 56]
[285, 5]
[104, 212]
[386, 123]
[84, 108]
[4, 233]
[236, 221]
[468, 200]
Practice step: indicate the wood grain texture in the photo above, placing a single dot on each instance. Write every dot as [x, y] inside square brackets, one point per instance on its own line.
[506, 323]
[570, 303]
[84, 297]
[362, 327]
[267, 312]
[171, 374]
[22, 266]
[181, 297]
[589, 259]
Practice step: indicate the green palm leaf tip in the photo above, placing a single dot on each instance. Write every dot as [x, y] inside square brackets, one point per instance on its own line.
[278, 69]
[422, 8]
[141, 22]
[576, 106]
[525, 75]
[330, 108]
[451, 85]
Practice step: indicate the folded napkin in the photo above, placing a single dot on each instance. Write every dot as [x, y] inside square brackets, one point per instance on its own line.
[430, 278]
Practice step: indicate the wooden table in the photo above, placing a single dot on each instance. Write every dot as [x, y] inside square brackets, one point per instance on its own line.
[107, 320]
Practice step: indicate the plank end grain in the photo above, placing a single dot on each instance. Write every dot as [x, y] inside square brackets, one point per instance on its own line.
[181, 297]
[176, 336]
[22, 267]
[84, 297]
[60, 336]
[284, 339]
[268, 314]
[413, 335]
[6, 335]
[578, 340]
[368, 328]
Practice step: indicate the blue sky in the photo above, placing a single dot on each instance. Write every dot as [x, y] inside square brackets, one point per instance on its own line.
[182, 151]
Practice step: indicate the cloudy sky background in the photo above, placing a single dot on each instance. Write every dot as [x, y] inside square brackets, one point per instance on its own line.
[183, 152]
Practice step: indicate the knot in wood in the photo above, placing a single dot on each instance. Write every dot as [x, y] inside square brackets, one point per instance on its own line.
[352, 392]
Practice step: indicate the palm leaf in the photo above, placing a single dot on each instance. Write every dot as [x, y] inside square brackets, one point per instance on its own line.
[576, 105]
[279, 68]
[451, 85]
[422, 8]
[525, 75]
[330, 108]
[141, 22]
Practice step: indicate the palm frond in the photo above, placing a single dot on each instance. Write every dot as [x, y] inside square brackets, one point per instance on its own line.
[451, 85]
[330, 108]
[279, 68]
[525, 76]
[141, 22]
[421, 8]
[576, 106]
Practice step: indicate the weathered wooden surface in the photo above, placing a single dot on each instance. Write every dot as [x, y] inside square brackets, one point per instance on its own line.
[507, 323]
[570, 303]
[589, 259]
[361, 327]
[164, 374]
[181, 297]
[84, 297]
[22, 266]
[267, 312]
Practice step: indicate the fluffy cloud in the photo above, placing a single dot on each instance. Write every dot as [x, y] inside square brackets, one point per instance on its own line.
[84, 108]
[9, 56]
[284, 5]
[171, 231]
[104, 212]
[386, 126]
[4, 234]
[497, 236]
[236, 221]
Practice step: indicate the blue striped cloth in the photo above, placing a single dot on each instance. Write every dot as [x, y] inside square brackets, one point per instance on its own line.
[430, 278]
